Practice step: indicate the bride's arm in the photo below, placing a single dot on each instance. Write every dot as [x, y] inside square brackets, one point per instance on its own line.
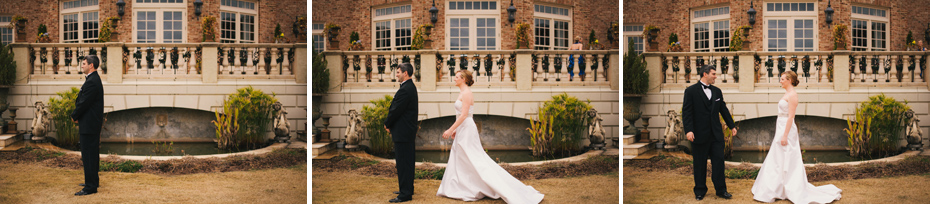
[466, 105]
[792, 108]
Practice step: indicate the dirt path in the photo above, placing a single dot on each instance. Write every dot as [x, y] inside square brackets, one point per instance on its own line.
[33, 183]
[339, 187]
[640, 186]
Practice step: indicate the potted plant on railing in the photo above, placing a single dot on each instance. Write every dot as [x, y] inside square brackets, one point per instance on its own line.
[673, 44]
[354, 43]
[839, 37]
[19, 23]
[421, 38]
[331, 30]
[739, 42]
[523, 35]
[42, 36]
[209, 31]
[909, 43]
[279, 35]
[614, 31]
[108, 30]
[652, 33]
[635, 86]
[593, 43]
[300, 27]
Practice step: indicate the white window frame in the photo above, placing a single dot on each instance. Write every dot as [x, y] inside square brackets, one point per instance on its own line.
[238, 31]
[80, 11]
[790, 17]
[869, 19]
[6, 25]
[159, 9]
[709, 20]
[473, 16]
[392, 19]
[316, 30]
[552, 18]
[635, 32]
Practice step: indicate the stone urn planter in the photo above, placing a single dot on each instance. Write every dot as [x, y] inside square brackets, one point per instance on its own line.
[632, 113]
[315, 115]
[651, 37]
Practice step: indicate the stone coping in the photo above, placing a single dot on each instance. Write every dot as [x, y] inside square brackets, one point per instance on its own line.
[590, 153]
[267, 149]
[851, 163]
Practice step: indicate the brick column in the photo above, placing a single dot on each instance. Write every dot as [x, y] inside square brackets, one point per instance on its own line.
[21, 56]
[428, 70]
[114, 62]
[524, 69]
[209, 67]
[300, 62]
[747, 71]
[841, 70]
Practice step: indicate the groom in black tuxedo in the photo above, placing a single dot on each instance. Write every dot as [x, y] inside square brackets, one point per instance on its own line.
[401, 123]
[88, 113]
[703, 107]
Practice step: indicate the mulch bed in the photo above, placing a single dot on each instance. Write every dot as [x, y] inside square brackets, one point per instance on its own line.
[279, 158]
[590, 166]
[914, 165]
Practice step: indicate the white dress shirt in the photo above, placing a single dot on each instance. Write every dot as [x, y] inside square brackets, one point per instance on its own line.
[706, 90]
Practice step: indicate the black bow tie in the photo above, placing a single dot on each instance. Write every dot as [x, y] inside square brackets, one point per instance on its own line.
[705, 86]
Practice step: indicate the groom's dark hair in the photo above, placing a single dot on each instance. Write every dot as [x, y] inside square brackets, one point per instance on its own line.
[93, 60]
[406, 67]
[706, 70]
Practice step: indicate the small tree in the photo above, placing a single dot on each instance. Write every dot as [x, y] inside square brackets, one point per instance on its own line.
[635, 75]
[7, 65]
[320, 74]
[381, 142]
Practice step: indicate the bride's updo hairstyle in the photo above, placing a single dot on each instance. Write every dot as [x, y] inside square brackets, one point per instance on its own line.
[791, 75]
[466, 75]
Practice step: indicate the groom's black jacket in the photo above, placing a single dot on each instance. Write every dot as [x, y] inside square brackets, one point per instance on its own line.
[402, 116]
[702, 116]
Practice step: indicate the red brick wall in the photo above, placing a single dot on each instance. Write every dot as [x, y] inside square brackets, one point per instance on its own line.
[674, 16]
[47, 12]
[356, 16]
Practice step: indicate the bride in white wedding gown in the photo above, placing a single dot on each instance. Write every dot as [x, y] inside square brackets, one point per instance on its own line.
[470, 173]
[782, 174]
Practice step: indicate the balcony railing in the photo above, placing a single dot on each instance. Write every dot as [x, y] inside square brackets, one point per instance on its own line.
[746, 70]
[164, 61]
[502, 68]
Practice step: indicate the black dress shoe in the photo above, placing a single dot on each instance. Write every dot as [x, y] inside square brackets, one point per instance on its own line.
[397, 192]
[399, 200]
[82, 192]
[725, 195]
[82, 184]
[699, 197]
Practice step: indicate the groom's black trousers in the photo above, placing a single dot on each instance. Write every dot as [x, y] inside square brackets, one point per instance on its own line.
[404, 156]
[700, 152]
[90, 156]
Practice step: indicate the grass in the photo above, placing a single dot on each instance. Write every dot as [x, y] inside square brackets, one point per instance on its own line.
[35, 183]
[350, 187]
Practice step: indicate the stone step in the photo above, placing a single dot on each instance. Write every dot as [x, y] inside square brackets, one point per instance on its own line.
[636, 149]
[629, 139]
[320, 148]
[8, 139]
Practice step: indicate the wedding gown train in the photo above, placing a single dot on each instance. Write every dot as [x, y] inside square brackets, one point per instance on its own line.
[782, 174]
[471, 174]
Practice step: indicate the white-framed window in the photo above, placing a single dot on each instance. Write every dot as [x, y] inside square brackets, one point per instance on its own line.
[237, 21]
[552, 27]
[869, 29]
[710, 29]
[6, 34]
[635, 33]
[790, 26]
[80, 21]
[473, 25]
[318, 42]
[392, 28]
[159, 21]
